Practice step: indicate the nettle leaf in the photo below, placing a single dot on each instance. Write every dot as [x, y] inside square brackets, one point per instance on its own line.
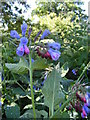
[51, 90]
[64, 69]
[39, 64]
[20, 67]
[29, 114]
[12, 111]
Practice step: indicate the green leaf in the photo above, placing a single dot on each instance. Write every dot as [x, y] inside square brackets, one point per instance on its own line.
[18, 91]
[61, 115]
[39, 64]
[64, 69]
[12, 111]
[51, 90]
[29, 114]
[19, 67]
[66, 83]
[44, 113]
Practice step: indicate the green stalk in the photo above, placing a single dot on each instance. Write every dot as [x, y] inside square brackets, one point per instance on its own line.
[61, 108]
[83, 72]
[31, 85]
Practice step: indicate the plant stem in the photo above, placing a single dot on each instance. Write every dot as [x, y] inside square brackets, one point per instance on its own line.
[31, 85]
[83, 72]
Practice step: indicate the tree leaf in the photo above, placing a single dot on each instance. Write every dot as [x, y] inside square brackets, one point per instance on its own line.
[19, 67]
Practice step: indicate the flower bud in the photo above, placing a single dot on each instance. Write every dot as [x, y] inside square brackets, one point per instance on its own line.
[26, 50]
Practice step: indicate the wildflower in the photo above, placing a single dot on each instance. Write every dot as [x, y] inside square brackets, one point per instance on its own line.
[14, 34]
[47, 55]
[37, 35]
[34, 87]
[60, 104]
[83, 99]
[24, 28]
[54, 54]
[26, 49]
[45, 77]
[20, 51]
[45, 33]
[23, 41]
[29, 32]
[54, 45]
[87, 110]
[32, 60]
[2, 78]
[74, 72]
[86, 107]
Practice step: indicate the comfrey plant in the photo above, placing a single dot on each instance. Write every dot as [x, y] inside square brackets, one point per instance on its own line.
[52, 86]
[22, 49]
[47, 50]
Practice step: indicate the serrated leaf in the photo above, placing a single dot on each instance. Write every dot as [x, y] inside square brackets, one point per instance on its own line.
[51, 90]
[18, 67]
[39, 64]
[64, 69]
[12, 111]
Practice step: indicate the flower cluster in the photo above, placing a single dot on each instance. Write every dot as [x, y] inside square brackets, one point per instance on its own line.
[14, 34]
[83, 109]
[86, 106]
[45, 33]
[52, 51]
[52, 48]
[22, 49]
[74, 71]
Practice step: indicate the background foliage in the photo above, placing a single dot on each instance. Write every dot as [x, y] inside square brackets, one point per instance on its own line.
[68, 25]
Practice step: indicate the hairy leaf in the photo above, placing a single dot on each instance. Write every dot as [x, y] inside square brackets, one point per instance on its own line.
[19, 67]
[39, 64]
[51, 90]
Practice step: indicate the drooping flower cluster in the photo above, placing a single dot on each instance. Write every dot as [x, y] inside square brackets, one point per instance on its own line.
[86, 106]
[51, 52]
[52, 49]
[78, 104]
[22, 49]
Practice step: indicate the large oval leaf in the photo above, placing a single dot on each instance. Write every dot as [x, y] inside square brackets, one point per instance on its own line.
[20, 67]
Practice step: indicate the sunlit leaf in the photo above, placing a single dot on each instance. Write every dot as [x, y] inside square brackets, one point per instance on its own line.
[39, 64]
[64, 69]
